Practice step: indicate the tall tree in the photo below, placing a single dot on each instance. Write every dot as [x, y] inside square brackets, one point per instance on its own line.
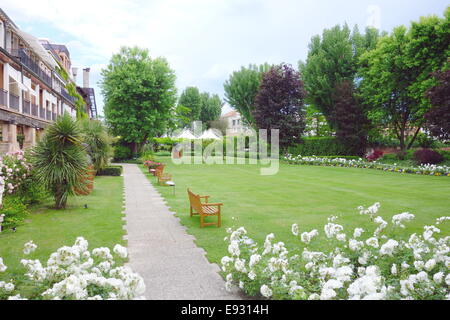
[351, 121]
[241, 89]
[397, 73]
[140, 95]
[438, 117]
[279, 104]
[191, 99]
[332, 59]
[211, 108]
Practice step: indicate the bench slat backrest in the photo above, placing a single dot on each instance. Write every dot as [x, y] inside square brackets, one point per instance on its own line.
[195, 201]
[159, 171]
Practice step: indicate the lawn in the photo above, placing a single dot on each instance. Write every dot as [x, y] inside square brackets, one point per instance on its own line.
[101, 224]
[306, 195]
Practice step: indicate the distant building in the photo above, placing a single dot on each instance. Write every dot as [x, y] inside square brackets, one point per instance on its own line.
[235, 123]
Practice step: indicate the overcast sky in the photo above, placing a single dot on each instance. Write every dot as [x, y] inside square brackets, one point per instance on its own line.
[203, 40]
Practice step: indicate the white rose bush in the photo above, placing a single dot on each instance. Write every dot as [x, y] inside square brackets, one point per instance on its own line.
[362, 264]
[75, 273]
[426, 169]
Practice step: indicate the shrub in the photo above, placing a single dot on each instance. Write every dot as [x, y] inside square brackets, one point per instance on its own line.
[60, 160]
[427, 156]
[361, 264]
[14, 170]
[113, 171]
[75, 273]
[15, 212]
[122, 152]
[31, 191]
[147, 156]
[374, 155]
[319, 146]
[95, 136]
[424, 141]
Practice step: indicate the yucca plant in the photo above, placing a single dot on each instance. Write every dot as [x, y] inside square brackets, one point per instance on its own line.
[60, 160]
[98, 142]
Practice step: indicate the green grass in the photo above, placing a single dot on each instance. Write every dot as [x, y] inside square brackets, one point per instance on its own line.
[101, 224]
[306, 195]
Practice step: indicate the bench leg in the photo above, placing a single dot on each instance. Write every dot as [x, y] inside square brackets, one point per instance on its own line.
[202, 221]
[218, 220]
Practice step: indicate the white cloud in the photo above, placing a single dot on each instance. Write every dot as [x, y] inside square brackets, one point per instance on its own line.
[203, 40]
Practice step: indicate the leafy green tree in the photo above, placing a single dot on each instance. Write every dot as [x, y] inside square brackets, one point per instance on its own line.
[191, 99]
[140, 95]
[397, 74]
[211, 108]
[332, 59]
[241, 89]
[316, 123]
[60, 160]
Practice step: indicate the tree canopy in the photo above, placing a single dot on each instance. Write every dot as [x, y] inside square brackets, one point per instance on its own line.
[140, 95]
[241, 89]
[211, 107]
[332, 59]
[279, 104]
[397, 73]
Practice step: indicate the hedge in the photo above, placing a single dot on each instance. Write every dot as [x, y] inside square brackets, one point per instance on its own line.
[114, 171]
[319, 146]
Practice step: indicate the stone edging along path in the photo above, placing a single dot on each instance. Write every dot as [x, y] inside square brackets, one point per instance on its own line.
[160, 249]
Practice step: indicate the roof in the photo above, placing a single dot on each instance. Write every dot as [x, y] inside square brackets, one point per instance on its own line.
[37, 47]
[56, 47]
[8, 19]
[230, 114]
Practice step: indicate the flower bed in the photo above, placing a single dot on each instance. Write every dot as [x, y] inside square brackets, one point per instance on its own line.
[14, 169]
[357, 265]
[428, 169]
[75, 273]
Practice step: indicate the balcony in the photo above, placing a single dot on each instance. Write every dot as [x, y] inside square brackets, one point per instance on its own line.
[13, 101]
[26, 107]
[31, 64]
[34, 110]
[67, 96]
[3, 97]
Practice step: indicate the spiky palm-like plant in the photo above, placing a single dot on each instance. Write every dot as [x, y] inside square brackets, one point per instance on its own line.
[98, 142]
[60, 160]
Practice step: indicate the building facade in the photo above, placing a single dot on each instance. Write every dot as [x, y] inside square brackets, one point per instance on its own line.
[235, 123]
[32, 89]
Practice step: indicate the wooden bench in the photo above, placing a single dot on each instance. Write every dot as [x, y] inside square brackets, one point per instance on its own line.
[205, 209]
[163, 178]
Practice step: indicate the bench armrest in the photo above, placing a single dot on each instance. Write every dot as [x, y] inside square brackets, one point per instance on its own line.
[212, 204]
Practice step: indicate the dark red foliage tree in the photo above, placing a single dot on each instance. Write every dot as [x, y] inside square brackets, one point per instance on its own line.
[351, 122]
[279, 104]
[438, 118]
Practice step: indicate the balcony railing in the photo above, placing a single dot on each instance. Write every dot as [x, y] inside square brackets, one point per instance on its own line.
[31, 64]
[66, 95]
[13, 101]
[26, 107]
[42, 113]
[3, 97]
[34, 110]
